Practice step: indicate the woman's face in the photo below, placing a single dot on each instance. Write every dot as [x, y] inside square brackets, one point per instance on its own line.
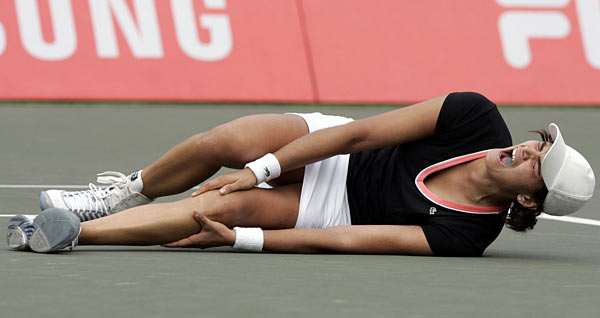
[518, 169]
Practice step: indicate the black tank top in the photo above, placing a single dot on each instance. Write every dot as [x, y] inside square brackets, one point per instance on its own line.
[382, 187]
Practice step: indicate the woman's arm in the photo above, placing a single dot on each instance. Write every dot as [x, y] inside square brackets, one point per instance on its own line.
[391, 128]
[395, 127]
[361, 239]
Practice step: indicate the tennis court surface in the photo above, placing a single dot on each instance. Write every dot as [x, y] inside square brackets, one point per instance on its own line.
[553, 271]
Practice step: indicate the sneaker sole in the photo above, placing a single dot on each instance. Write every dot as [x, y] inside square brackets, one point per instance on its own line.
[16, 238]
[56, 229]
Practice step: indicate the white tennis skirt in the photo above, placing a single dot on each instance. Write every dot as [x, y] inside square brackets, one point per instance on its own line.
[324, 200]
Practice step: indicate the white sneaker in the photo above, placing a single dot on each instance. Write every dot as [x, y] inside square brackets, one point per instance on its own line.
[122, 192]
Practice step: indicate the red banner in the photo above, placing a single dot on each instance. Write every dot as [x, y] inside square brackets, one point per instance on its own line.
[514, 51]
[355, 51]
[248, 50]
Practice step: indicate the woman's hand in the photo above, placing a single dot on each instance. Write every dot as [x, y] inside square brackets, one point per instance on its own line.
[227, 183]
[213, 234]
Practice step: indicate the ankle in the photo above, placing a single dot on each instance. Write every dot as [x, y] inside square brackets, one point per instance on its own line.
[136, 185]
[144, 184]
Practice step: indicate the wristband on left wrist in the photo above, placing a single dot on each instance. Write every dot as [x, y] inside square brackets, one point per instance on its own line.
[265, 168]
[249, 238]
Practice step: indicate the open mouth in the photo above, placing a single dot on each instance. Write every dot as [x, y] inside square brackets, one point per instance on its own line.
[508, 157]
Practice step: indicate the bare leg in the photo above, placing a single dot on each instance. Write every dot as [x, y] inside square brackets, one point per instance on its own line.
[231, 145]
[168, 222]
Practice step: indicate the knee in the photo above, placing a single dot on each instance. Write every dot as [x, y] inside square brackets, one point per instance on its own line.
[229, 210]
[226, 144]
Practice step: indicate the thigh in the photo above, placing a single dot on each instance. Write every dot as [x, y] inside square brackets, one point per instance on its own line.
[275, 208]
[249, 138]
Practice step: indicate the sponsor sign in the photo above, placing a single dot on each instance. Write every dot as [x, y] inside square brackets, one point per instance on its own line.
[354, 51]
[182, 50]
[513, 51]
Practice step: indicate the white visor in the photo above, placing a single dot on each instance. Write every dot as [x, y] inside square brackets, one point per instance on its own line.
[568, 176]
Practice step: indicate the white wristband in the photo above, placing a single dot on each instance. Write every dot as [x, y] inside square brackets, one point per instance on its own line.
[249, 238]
[265, 168]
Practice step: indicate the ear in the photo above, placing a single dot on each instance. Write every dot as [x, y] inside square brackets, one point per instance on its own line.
[526, 201]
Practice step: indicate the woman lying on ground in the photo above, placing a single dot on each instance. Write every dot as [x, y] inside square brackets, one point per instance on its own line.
[437, 178]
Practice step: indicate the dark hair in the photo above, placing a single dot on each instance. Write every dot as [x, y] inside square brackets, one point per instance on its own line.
[520, 218]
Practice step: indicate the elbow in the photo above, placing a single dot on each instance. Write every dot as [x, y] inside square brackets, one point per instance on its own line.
[355, 142]
[354, 138]
[337, 240]
[331, 240]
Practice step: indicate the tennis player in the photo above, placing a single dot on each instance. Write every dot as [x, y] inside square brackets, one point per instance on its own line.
[441, 177]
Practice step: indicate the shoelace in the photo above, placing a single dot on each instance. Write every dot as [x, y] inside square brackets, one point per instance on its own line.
[94, 199]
